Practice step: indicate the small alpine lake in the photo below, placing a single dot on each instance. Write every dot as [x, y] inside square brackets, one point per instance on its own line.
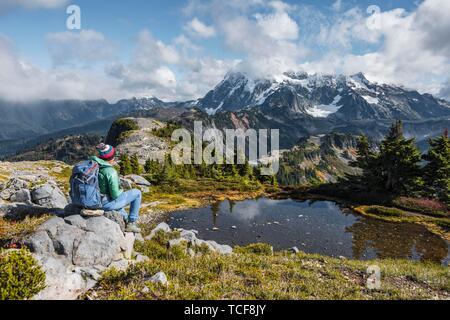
[321, 227]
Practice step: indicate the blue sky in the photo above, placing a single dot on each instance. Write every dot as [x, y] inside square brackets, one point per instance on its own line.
[178, 49]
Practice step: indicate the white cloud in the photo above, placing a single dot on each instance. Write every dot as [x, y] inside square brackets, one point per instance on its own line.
[20, 80]
[199, 29]
[337, 5]
[168, 71]
[86, 46]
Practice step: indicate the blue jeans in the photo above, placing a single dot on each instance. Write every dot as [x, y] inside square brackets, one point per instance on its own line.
[132, 198]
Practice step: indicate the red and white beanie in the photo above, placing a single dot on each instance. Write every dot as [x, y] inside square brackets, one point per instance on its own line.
[106, 152]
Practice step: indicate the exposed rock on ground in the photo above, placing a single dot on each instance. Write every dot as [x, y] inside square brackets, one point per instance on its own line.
[74, 251]
[190, 237]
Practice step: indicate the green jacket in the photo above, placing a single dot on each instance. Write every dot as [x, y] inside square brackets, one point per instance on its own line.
[108, 179]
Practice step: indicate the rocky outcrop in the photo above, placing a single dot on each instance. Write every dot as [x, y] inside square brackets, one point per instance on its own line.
[190, 238]
[74, 251]
[25, 200]
[135, 136]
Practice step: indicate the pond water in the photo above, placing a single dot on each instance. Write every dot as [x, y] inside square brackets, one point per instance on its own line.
[321, 227]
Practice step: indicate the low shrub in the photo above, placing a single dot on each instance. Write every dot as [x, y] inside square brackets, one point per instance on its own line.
[425, 206]
[256, 248]
[384, 211]
[20, 275]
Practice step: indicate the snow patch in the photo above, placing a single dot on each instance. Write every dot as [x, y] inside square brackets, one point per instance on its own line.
[211, 111]
[323, 111]
[371, 100]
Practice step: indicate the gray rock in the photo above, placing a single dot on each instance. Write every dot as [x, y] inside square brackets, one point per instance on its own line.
[200, 242]
[51, 226]
[160, 277]
[16, 184]
[129, 245]
[160, 227]
[93, 249]
[141, 258]
[221, 248]
[189, 235]
[126, 184]
[116, 217]
[22, 195]
[144, 189]
[176, 242]
[61, 282]
[140, 181]
[88, 272]
[121, 265]
[139, 237]
[40, 243]
[145, 290]
[190, 252]
[6, 194]
[49, 196]
[64, 240]
[76, 221]
[294, 250]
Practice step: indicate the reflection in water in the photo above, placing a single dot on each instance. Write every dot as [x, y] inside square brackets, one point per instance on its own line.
[322, 227]
[393, 240]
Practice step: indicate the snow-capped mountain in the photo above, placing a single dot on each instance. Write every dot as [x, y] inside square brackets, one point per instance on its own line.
[323, 96]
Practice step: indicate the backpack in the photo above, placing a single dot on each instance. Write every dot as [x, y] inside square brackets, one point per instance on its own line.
[84, 187]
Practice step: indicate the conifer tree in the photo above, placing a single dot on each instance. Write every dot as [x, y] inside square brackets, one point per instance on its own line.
[436, 173]
[397, 164]
[135, 166]
[125, 165]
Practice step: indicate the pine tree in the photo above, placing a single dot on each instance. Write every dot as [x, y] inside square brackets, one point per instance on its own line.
[168, 174]
[135, 166]
[246, 170]
[436, 173]
[397, 164]
[125, 165]
[364, 154]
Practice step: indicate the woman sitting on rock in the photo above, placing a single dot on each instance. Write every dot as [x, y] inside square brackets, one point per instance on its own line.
[113, 198]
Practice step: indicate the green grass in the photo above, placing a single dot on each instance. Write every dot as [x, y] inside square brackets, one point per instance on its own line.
[439, 226]
[255, 272]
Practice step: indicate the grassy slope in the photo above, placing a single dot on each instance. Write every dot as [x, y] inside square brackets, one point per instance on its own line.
[261, 274]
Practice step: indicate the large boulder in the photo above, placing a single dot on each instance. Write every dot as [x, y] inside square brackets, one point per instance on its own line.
[23, 196]
[49, 196]
[126, 184]
[11, 188]
[62, 281]
[75, 250]
[164, 227]
[140, 181]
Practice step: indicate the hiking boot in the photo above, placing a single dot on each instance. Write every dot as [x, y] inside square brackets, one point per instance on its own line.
[132, 227]
[92, 213]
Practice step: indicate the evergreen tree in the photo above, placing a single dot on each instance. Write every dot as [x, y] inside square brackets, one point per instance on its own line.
[397, 162]
[436, 173]
[125, 165]
[364, 154]
[246, 170]
[168, 174]
[135, 166]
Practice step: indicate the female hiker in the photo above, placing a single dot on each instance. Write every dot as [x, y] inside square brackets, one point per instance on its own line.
[113, 198]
